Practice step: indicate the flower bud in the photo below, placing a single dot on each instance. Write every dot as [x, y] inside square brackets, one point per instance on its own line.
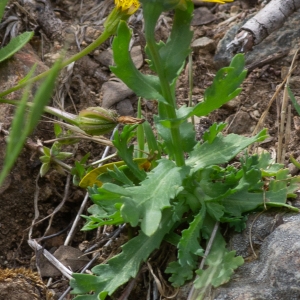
[97, 120]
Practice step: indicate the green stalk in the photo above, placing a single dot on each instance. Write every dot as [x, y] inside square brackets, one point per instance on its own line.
[140, 132]
[69, 118]
[166, 110]
[101, 39]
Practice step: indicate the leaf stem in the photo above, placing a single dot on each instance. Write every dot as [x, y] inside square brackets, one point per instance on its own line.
[166, 110]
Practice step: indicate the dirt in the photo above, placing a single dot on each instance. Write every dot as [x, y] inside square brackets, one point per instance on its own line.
[82, 88]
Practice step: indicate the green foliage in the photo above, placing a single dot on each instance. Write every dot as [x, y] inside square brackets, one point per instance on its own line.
[293, 99]
[179, 200]
[221, 264]
[15, 45]
[126, 153]
[222, 150]
[174, 52]
[51, 157]
[3, 4]
[80, 170]
[190, 185]
[224, 88]
[23, 123]
[108, 277]
[146, 86]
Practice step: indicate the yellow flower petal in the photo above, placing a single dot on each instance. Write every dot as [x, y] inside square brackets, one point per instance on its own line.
[217, 1]
[130, 6]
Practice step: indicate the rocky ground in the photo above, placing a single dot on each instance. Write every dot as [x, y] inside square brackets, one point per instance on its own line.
[269, 244]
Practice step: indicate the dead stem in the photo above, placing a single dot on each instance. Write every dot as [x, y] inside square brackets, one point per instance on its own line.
[280, 151]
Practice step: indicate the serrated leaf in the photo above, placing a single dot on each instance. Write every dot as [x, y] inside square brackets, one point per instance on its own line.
[120, 176]
[146, 86]
[213, 131]
[120, 141]
[215, 210]
[221, 265]
[15, 45]
[177, 47]
[100, 217]
[224, 88]
[221, 150]
[144, 204]
[189, 250]
[119, 269]
[180, 274]
[189, 245]
[243, 201]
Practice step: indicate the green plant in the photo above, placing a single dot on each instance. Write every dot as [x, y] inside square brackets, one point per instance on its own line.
[15, 43]
[188, 190]
[42, 97]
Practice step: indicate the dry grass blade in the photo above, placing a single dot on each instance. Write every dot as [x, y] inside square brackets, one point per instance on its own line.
[160, 285]
[262, 119]
[282, 145]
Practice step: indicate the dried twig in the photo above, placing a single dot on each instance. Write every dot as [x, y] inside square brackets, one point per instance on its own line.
[261, 121]
[54, 261]
[285, 100]
[84, 202]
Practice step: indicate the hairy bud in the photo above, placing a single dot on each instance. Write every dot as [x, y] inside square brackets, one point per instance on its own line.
[97, 120]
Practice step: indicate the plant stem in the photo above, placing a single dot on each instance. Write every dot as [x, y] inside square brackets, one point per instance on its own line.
[167, 110]
[101, 39]
[68, 117]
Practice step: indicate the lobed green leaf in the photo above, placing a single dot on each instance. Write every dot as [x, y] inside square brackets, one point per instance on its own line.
[119, 269]
[146, 86]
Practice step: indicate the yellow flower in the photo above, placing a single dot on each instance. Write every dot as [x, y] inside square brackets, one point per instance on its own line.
[181, 4]
[122, 11]
[130, 6]
[217, 1]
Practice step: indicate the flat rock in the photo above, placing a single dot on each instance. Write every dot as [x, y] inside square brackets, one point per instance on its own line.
[202, 16]
[114, 91]
[203, 43]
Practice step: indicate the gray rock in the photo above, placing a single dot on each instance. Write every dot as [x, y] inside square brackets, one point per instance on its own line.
[239, 123]
[114, 91]
[106, 57]
[137, 56]
[125, 108]
[275, 274]
[202, 16]
[203, 43]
